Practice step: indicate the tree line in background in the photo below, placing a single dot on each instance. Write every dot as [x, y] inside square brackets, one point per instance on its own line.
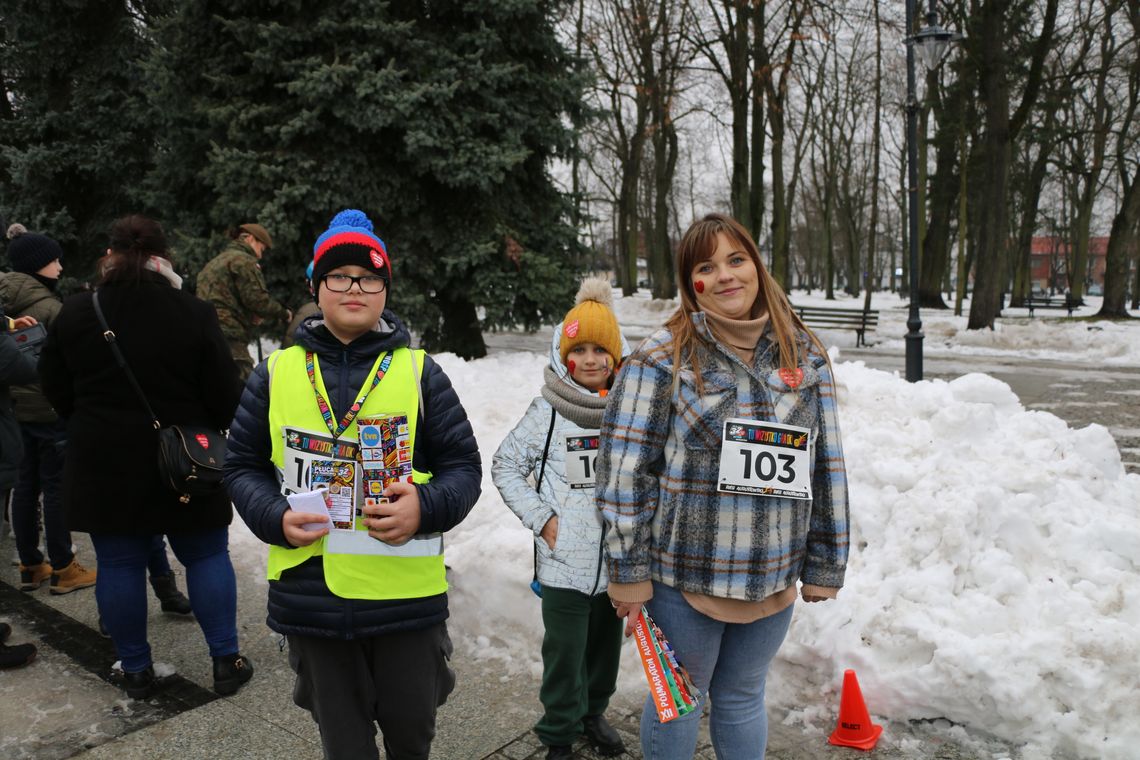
[210, 114]
[790, 114]
[502, 145]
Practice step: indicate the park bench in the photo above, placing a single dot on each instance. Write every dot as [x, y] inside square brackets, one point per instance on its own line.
[831, 318]
[1066, 302]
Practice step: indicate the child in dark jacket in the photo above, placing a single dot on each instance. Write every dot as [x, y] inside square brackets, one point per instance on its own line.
[556, 441]
[361, 595]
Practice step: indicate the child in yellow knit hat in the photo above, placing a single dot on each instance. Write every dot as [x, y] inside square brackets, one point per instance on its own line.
[590, 341]
[556, 442]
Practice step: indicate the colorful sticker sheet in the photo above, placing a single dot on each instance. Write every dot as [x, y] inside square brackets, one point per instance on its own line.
[669, 684]
[385, 454]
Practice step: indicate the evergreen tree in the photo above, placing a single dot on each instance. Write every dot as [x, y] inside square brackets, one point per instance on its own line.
[438, 119]
[73, 146]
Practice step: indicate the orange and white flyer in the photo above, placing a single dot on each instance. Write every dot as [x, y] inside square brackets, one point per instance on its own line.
[673, 693]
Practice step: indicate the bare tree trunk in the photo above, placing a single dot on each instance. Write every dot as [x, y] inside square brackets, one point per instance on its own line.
[1023, 250]
[575, 152]
[986, 305]
[1000, 130]
[904, 209]
[876, 135]
[777, 95]
[627, 216]
[963, 225]
[759, 134]
[735, 46]
[943, 190]
[1121, 240]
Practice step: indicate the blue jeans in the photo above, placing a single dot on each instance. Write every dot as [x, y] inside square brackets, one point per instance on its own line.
[41, 471]
[120, 590]
[727, 662]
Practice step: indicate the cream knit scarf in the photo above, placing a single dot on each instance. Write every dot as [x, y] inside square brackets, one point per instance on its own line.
[584, 410]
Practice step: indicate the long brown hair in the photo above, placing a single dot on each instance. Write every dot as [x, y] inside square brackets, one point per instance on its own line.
[698, 244]
[133, 240]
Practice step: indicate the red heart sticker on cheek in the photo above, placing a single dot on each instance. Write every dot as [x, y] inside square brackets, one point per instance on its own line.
[570, 365]
[792, 377]
[699, 286]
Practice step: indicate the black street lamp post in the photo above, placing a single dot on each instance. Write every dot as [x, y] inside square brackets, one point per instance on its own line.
[931, 43]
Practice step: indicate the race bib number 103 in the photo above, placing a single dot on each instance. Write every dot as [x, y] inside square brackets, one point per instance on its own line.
[765, 459]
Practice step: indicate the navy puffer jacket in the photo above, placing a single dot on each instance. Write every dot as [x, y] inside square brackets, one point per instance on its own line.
[300, 602]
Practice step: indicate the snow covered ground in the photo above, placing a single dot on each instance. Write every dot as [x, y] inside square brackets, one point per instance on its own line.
[994, 578]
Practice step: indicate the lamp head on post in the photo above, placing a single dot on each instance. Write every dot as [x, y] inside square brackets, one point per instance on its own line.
[932, 41]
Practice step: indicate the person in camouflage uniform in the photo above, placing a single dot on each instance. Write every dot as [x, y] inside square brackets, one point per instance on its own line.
[233, 283]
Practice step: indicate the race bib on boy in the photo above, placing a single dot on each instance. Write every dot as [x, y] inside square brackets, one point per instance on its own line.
[581, 455]
[765, 459]
[312, 460]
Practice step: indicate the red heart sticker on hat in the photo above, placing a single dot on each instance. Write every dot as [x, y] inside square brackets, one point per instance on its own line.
[792, 377]
[377, 259]
[202, 440]
[572, 329]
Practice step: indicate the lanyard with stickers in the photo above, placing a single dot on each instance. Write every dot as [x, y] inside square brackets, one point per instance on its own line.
[766, 459]
[581, 455]
[350, 415]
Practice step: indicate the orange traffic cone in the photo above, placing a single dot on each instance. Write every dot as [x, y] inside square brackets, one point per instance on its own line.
[855, 728]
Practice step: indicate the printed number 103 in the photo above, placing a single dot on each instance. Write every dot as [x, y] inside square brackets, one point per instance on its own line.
[766, 467]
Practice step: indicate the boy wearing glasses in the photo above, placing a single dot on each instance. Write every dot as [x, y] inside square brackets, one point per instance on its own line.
[352, 413]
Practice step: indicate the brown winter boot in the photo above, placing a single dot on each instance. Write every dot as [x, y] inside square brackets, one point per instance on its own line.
[72, 578]
[33, 576]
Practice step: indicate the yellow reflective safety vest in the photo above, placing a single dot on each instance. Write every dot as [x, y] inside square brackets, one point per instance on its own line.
[356, 566]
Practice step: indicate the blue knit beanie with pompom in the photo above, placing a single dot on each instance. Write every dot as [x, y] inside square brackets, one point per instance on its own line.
[350, 240]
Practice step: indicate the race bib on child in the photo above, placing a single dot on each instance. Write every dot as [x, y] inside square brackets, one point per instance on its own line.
[765, 459]
[581, 455]
[313, 460]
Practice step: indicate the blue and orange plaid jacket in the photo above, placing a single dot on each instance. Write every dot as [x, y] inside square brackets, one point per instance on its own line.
[657, 472]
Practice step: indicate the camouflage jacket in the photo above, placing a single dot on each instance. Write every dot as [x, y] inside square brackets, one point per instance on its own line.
[24, 295]
[233, 283]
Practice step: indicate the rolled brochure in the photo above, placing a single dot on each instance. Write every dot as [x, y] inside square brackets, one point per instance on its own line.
[671, 688]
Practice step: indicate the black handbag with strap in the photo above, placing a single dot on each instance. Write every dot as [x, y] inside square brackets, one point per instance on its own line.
[190, 457]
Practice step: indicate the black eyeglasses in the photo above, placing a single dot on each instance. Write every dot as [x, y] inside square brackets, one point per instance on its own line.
[341, 283]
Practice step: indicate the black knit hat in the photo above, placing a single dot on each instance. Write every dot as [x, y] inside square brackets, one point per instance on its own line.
[350, 240]
[30, 252]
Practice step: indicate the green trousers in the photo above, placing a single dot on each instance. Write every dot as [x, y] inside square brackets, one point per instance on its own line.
[580, 653]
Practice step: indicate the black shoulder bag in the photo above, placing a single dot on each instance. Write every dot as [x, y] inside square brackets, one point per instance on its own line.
[190, 457]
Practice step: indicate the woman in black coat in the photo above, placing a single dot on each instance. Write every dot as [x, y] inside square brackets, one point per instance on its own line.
[175, 348]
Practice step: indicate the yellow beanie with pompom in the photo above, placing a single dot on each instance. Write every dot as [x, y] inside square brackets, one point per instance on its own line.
[592, 320]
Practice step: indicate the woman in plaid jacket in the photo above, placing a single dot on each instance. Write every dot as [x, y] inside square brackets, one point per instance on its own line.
[721, 479]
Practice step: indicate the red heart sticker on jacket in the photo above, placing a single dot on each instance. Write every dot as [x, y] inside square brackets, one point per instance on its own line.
[202, 440]
[572, 329]
[792, 377]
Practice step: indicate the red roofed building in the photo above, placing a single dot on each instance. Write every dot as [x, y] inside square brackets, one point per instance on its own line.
[1049, 262]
